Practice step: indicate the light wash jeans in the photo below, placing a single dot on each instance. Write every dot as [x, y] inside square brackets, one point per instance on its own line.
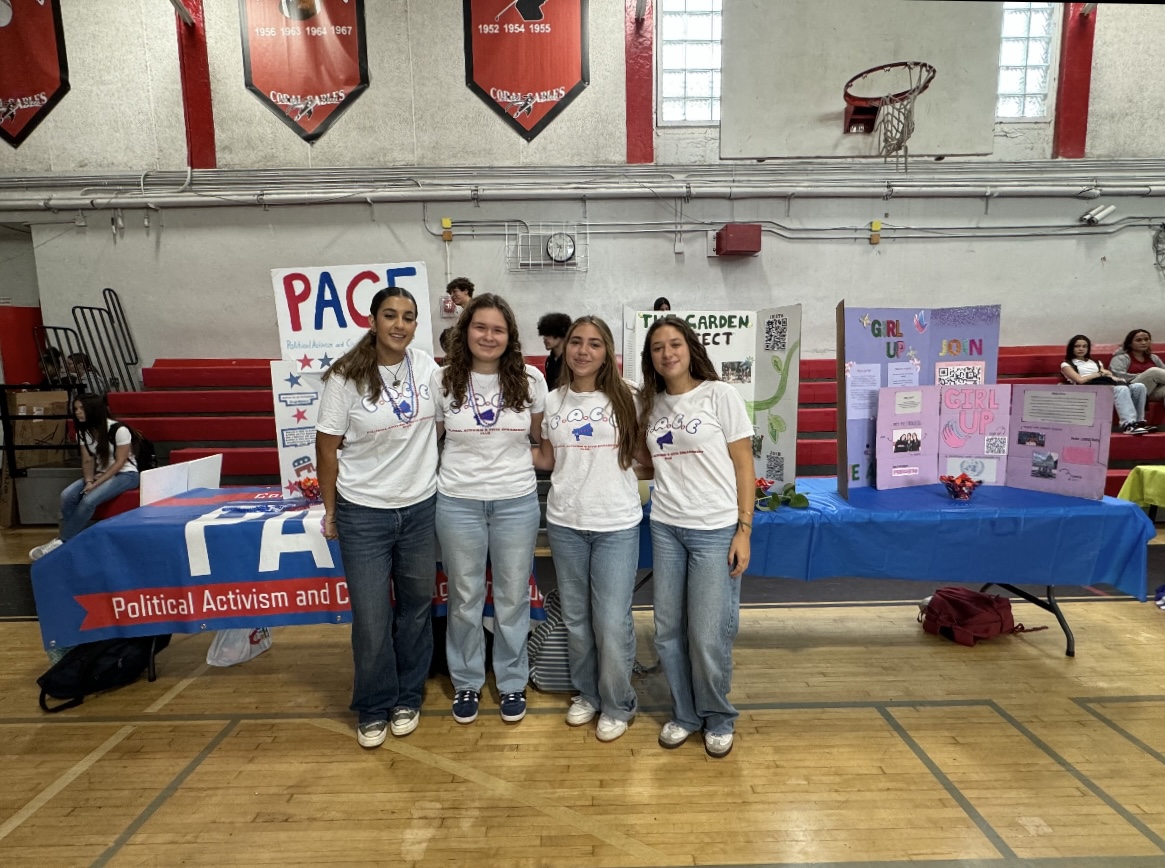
[1130, 402]
[697, 605]
[1154, 381]
[596, 576]
[77, 509]
[505, 531]
[391, 650]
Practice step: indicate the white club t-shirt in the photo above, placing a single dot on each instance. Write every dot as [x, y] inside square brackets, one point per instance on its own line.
[588, 488]
[688, 437]
[123, 437]
[487, 446]
[389, 459]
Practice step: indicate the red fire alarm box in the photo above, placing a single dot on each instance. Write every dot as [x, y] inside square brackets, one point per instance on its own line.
[738, 239]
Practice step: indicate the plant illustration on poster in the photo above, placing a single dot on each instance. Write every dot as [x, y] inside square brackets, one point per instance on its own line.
[758, 352]
[900, 348]
[34, 71]
[526, 59]
[305, 60]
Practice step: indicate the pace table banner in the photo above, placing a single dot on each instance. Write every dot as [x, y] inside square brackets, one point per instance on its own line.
[306, 60]
[526, 59]
[34, 72]
[209, 559]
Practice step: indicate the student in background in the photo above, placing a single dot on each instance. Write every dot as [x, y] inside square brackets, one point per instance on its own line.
[108, 468]
[1135, 360]
[460, 289]
[662, 303]
[1128, 399]
[699, 438]
[590, 434]
[489, 406]
[380, 499]
[86, 377]
[552, 328]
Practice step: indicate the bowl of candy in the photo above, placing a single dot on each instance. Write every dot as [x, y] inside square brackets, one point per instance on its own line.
[960, 487]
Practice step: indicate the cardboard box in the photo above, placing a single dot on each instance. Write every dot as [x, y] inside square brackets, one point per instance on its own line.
[28, 430]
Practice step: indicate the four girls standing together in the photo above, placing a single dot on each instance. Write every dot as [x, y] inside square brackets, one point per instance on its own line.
[389, 500]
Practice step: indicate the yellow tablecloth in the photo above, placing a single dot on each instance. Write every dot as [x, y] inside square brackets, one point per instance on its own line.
[1145, 486]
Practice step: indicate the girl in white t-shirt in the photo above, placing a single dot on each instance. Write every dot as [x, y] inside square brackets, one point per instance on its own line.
[590, 434]
[699, 437]
[1128, 399]
[489, 406]
[108, 468]
[376, 454]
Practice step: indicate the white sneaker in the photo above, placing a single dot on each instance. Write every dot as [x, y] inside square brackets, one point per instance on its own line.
[580, 712]
[372, 734]
[40, 551]
[673, 735]
[717, 746]
[404, 720]
[609, 729]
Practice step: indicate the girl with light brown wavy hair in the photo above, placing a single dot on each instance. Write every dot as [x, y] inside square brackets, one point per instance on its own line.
[489, 406]
[590, 435]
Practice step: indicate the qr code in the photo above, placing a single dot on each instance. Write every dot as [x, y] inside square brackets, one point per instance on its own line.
[775, 467]
[995, 445]
[958, 375]
[776, 333]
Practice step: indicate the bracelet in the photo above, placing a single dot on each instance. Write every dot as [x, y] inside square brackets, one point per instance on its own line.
[740, 524]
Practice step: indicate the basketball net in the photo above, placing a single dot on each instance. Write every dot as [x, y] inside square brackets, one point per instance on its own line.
[895, 122]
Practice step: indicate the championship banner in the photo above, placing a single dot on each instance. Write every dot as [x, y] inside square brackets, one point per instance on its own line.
[322, 312]
[527, 59]
[34, 72]
[208, 559]
[306, 60]
[758, 352]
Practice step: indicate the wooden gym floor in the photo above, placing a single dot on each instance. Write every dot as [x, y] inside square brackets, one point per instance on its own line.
[861, 741]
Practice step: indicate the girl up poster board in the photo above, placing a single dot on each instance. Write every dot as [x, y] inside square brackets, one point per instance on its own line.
[907, 444]
[1059, 439]
[900, 348]
[758, 352]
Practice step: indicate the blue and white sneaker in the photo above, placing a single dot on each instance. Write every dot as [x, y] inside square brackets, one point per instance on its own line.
[465, 704]
[513, 706]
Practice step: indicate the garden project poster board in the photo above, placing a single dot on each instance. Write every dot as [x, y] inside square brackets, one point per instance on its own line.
[297, 392]
[758, 352]
[907, 444]
[973, 440]
[323, 311]
[1059, 439]
[898, 348]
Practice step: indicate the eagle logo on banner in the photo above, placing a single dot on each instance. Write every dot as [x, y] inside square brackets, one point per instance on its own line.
[34, 73]
[306, 60]
[527, 59]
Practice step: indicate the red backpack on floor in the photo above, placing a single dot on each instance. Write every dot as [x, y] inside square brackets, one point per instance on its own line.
[966, 616]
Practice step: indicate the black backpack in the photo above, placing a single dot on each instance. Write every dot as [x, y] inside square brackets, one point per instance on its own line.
[145, 456]
[97, 666]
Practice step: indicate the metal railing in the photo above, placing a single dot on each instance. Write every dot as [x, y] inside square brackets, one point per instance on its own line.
[97, 356]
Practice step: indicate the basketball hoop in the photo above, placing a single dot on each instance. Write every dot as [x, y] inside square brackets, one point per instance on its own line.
[890, 114]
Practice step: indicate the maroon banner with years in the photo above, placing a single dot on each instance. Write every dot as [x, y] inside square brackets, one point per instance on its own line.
[306, 60]
[527, 59]
[34, 73]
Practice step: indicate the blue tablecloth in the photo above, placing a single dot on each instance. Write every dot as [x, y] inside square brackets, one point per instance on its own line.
[1006, 535]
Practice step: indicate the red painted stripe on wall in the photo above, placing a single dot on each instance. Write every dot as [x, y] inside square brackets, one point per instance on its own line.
[640, 49]
[194, 68]
[1070, 132]
[17, 344]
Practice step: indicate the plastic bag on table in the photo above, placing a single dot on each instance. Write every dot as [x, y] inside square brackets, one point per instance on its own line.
[231, 647]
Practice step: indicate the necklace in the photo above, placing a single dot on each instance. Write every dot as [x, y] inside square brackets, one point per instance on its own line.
[396, 373]
[404, 411]
[487, 418]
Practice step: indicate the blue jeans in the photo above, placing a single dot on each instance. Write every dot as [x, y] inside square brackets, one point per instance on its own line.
[77, 509]
[505, 530]
[1129, 402]
[391, 650]
[697, 607]
[596, 576]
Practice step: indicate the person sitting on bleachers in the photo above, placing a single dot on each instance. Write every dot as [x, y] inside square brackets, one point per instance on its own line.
[108, 468]
[1128, 399]
[1135, 360]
